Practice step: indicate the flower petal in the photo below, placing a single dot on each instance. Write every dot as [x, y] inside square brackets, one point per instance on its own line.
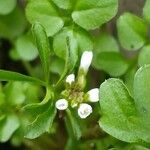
[61, 104]
[93, 95]
[86, 60]
[84, 110]
[70, 78]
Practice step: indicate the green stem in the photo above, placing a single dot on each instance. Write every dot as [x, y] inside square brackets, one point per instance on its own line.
[49, 95]
[28, 67]
[81, 81]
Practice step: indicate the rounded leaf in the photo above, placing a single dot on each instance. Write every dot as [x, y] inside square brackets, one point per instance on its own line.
[13, 24]
[132, 31]
[91, 14]
[64, 4]
[111, 62]
[25, 48]
[44, 12]
[8, 126]
[118, 111]
[142, 91]
[101, 43]
[6, 6]
[144, 56]
[146, 10]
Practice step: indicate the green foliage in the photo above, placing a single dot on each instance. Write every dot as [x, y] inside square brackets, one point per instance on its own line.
[111, 62]
[62, 30]
[91, 14]
[42, 123]
[84, 40]
[14, 93]
[66, 47]
[107, 56]
[142, 100]
[132, 31]
[65, 41]
[75, 131]
[8, 125]
[118, 111]
[64, 4]
[45, 13]
[7, 6]
[101, 43]
[25, 48]
[43, 47]
[146, 11]
[10, 28]
[80, 41]
[129, 116]
[144, 56]
[129, 78]
[57, 65]
[141, 92]
[14, 76]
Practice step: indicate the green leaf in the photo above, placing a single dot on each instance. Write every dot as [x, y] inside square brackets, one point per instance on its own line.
[13, 24]
[43, 47]
[144, 56]
[44, 12]
[30, 91]
[103, 144]
[119, 117]
[146, 11]
[140, 147]
[57, 65]
[71, 144]
[84, 40]
[81, 39]
[142, 98]
[64, 4]
[14, 76]
[141, 91]
[129, 79]
[25, 48]
[34, 109]
[60, 43]
[73, 123]
[6, 6]
[132, 31]
[14, 93]
[91, 14]
[101, 43]
[111, 62]
[2, 98]
[2, 118]
[42, 124]
[66, 47]
[8, 126]
[14, 55]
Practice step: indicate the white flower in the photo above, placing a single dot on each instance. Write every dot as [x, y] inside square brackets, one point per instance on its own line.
[84, 110]
[86, 60]
[70, 78]
[93, 95]
[61, 104]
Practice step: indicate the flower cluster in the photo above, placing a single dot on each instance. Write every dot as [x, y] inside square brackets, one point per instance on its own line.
[74, 94]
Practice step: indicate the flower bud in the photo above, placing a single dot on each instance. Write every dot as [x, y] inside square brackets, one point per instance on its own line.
[84, 110]
[86, 60]
[70, 78]
[93, 95]
[61, 104]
